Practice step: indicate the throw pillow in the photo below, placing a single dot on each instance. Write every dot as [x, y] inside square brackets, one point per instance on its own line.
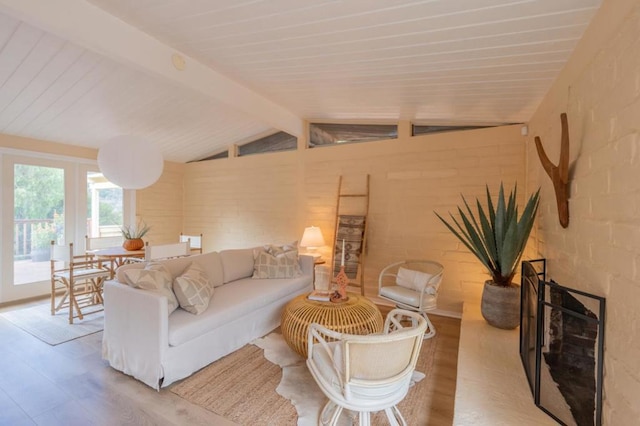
[277, 250]
[193, 289]
[283, 265]
[415, 280]
[154, 277]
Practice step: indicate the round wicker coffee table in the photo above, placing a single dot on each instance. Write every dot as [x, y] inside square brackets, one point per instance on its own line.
[357, 315]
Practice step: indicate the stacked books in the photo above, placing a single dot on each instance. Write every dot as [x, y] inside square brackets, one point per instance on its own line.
[320, 295]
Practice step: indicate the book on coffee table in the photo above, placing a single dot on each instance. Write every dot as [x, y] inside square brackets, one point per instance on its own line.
[320, 295]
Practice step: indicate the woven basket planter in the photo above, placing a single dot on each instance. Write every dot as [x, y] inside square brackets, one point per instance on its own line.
[133, 245]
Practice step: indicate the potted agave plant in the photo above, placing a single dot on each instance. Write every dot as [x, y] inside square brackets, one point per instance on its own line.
[133, 236]
[497, 237]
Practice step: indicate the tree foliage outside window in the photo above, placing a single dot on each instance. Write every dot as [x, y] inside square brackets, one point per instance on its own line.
[110, 208]
[38, 192]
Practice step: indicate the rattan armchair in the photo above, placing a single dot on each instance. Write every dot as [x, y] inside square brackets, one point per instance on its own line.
[366, 373]
[412, 285]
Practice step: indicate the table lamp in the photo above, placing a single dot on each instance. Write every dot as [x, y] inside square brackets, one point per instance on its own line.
[311, 240]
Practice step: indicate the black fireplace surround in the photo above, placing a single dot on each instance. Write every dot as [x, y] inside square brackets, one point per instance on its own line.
[561, 347]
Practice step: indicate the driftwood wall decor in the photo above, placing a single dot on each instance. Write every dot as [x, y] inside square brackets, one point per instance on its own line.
[559, 174]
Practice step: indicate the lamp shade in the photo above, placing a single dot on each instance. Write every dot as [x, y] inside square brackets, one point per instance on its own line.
[312, 237]
[130, 162]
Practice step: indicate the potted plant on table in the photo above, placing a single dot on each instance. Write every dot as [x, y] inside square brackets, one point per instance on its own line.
[497, 237]
[133, 236]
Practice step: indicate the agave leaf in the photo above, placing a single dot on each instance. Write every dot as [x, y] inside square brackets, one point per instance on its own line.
[473, 220]
[526, 220]
[464, 239]
[511, 205]
[476, 241]
[499, 223]
[488, 237]
[510, 249]
[492, 212]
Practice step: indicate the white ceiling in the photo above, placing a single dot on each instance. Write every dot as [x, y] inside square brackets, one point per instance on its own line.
[82, 72]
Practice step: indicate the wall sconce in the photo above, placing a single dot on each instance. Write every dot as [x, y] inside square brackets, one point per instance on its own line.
[312, 239]
[130, 162]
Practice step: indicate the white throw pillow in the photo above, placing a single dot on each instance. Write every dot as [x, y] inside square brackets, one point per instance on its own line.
[277, 250]
[415, 280]
[283, 265]
[154, 277]
[193, 289]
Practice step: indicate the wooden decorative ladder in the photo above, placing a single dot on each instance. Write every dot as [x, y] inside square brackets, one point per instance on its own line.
[352, 229]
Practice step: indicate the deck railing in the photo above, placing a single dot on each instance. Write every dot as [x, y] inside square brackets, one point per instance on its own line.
[25, 235]
[32, 234]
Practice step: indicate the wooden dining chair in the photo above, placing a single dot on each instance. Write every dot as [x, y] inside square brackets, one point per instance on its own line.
[79, 278]
[195, 242]
[97, 243]
[166, 251]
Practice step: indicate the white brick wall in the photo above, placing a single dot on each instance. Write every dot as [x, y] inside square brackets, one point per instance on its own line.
[160, 206]
[600, 250]
[247, 201]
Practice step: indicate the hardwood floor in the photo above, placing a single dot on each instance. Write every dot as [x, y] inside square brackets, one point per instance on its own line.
[70, 384]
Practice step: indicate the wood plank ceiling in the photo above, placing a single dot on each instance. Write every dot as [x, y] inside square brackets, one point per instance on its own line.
[429, 61]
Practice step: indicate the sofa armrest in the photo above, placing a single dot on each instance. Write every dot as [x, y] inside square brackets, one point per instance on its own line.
[136, 331]
[306, 264]
[120, 271]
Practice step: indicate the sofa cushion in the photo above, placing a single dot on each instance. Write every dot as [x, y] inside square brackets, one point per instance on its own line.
[236, 264]
[193, 289]
[409, 297]
[230, 302]
[154, 277]
[283, 264]
[211, 263]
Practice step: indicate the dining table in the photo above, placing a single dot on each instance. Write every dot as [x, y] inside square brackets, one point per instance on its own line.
[117, 256]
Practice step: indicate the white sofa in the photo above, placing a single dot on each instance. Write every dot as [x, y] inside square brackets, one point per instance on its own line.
[141, 339]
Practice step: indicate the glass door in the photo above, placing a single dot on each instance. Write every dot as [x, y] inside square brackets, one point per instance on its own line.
[38, 217]
[35, 211]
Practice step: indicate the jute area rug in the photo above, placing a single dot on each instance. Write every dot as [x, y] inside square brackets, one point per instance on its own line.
[54, 329]
[250, 387]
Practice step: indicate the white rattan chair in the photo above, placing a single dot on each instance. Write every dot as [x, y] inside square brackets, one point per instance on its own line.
[412, 285]
[366, 373]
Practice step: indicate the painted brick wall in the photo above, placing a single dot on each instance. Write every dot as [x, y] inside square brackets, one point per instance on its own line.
[600, 250]
[248, 201]
[160, 205]
[243, 202]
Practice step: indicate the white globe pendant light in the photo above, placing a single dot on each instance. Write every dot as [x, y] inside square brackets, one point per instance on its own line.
[130, 162]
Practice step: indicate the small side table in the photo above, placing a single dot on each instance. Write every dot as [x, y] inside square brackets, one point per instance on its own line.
[358, 315]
